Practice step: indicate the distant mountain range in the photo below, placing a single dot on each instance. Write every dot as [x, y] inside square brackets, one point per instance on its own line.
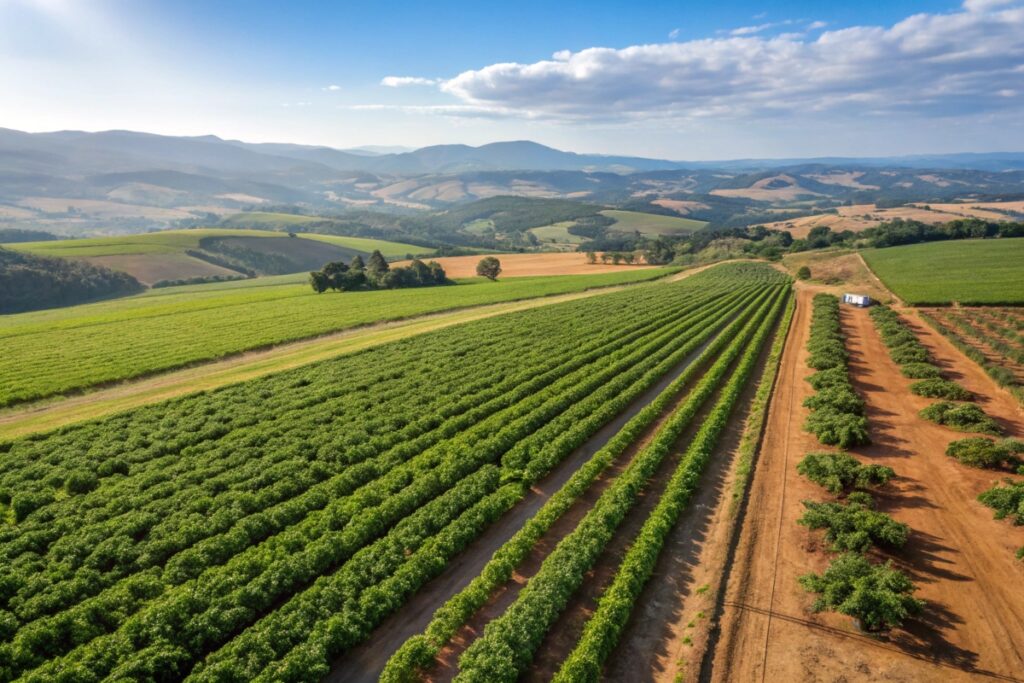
[125, 151]
[74, 182]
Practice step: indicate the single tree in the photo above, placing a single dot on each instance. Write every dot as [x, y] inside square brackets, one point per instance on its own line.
[591, 257]
[489, 267]
[357, 263]
[876, 595]
[376, 266]
[616, 258]
[804, 273]
[606, 257]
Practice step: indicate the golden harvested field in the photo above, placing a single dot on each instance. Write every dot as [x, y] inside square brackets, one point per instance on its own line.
[98, 208]
[781, 188]
[524, 265]
[862, 216]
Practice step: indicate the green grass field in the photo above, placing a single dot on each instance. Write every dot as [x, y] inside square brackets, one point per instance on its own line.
[559, 232]
[651, 224]
[164, 242]
[52, 352]
[970, 272]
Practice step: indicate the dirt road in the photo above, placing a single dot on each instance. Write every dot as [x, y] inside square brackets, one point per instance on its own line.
[961, 559]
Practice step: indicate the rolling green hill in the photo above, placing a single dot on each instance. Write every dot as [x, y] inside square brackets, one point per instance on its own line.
[651, 223]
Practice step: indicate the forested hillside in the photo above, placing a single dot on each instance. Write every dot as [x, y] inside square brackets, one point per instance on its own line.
[32, 282]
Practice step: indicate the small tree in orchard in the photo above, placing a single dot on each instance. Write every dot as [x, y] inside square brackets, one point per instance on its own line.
[804, 273]
[876, 595]
[489, 267]
[591, 257]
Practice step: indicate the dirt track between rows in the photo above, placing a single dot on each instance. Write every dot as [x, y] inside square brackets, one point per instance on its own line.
[961, 559]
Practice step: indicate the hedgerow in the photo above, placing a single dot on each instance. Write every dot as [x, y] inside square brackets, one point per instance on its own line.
[840, 472]
[963, 417]
[854, 525]
[940, 388]
[837, 412]
[979, 451]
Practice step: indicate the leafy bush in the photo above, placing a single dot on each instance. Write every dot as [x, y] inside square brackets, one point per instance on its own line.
[833, 377]
[803, 273]
[839, 472]
[909, 353]
[1007, 500]
[877, 595]
[833, 428]
[963, 417]
[841, 399]
[978, 451]
[28, 502]
[854, 525]
[940, 388]
[81, 481]
[920, 371]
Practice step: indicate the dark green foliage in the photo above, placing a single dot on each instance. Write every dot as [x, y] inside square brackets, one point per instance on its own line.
[909, 353]
[837, 412]
[28, 282]
[840, 399]
[377, 274]
[941, 388]
[1007, 500]
[804, 273]
[920, 371]
[14, 235]
[963, 417]
[27, 502]
[839, 472]
[489, 267]
[81, 481]
[978, 451]
[877, 595]
[854, 525]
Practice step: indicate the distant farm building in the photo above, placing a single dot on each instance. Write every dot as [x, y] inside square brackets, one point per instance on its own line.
[861, 300]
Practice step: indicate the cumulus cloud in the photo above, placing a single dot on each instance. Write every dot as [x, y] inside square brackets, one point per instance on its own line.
[959, 63]
[759, 28]
[402, 81]
[331, 88]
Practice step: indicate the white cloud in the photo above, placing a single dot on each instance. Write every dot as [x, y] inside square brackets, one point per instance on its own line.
[751, 30]
[928, 64]
[815, 25]
[985, 5]
[673, 34]
[331, 88]
[402, 81]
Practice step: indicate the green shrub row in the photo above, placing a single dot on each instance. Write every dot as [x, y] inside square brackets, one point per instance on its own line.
[963, 417]
[841, 472]
[604, 627]
[419, 651]
[978, 451]
[837, 411]
[508, 643]
[854, 525]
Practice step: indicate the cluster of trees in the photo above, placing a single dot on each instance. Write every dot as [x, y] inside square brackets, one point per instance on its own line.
[13, 235]
[837, 411]
[28, 282]
[1008, 501]
[376, 273]
[978, 451]
[200, 280]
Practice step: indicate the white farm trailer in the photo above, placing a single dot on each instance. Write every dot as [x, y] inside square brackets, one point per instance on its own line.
[861, 300]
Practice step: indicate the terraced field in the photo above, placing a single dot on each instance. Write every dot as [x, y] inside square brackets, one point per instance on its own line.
[263, 531]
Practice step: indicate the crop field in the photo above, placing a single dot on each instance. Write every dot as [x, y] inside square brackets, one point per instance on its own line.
[652, 224]
[58, 351]
[266, 219]
[262, 531]
[558, 233]
[969, 272]
[990, 336]
[389, 249]
[164, 242]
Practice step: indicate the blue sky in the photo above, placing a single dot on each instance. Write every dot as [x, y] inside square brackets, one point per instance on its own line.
[694, 80]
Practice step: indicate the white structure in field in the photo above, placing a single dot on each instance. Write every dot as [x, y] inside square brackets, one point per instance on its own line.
[861, 300]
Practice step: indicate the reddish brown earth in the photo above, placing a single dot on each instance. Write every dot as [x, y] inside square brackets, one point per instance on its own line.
[961, 559]
[947, 316]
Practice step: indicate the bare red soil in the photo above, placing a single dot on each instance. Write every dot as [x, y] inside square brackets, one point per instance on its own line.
[961, 559]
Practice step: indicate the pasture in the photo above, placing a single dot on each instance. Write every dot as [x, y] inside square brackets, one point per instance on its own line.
[651, 223]
[969, 272]
[64, 350]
